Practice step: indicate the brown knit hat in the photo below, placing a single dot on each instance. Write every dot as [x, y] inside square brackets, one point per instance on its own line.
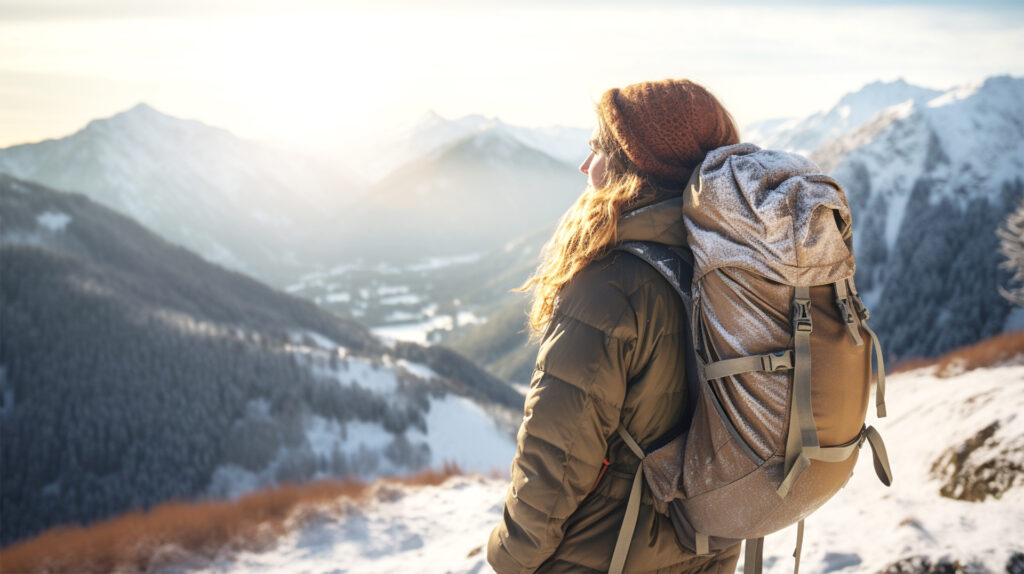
[666, 128]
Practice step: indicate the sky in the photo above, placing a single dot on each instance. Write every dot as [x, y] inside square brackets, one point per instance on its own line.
[330, 75]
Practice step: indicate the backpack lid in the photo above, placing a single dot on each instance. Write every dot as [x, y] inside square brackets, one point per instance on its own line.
[771, 212]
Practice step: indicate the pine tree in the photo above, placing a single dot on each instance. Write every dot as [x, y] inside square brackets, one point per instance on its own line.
[1011, 244]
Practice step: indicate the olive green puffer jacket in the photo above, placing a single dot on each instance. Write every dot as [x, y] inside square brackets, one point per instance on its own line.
[612, 352]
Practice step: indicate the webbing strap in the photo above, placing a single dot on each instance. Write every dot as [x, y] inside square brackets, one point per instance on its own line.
[879, 456]
[802, 432]
[703, 543]
[840, 453]
[753, 555]
[876, 348]
[799, 546]
[835, 453]
[776, 361]
[632, 507]
[880, 386]
[844, 304]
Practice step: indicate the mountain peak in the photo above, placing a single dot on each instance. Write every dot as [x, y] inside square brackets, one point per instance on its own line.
[879, 94]
[148, 122]
[143, 112]
[142, 108]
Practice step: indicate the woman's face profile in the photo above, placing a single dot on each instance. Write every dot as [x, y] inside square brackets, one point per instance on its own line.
[594, 165]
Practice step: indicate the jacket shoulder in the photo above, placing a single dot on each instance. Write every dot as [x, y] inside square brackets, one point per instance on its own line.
[610, 292]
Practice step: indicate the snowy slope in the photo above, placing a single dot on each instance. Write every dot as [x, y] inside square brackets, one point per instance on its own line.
[446, 427]
[852, 111]
[969, 142]
[196, 185]
[865, 528]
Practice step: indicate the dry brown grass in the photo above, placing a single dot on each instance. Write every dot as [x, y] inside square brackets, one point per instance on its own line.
[1001, 348]
[137, 541]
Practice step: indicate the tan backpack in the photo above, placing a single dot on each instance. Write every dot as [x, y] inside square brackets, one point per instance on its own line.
[779, 371]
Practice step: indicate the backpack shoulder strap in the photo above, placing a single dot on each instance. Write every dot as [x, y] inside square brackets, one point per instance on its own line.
[675, 264]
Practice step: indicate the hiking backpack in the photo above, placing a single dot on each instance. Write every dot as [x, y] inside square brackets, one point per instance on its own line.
[775, 321]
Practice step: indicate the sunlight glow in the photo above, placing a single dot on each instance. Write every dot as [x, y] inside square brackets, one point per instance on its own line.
[333, 75]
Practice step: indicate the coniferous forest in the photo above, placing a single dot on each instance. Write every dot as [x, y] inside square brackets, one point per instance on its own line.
[130, 369]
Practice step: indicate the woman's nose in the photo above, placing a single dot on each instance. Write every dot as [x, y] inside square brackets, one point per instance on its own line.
[585, 166]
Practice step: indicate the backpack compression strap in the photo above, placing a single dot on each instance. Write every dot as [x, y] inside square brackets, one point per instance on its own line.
[632, 507]
[876, 347]
[802, 439]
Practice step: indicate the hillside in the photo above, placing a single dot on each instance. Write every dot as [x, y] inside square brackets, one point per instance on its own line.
[132, 372]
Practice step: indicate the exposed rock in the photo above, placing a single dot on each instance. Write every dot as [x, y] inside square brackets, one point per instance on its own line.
[987, 465]
[1015, 563]
[925, 565]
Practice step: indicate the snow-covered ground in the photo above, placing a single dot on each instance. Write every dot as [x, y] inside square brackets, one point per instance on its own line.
[865, 528]
[419, 331]
[438, 529]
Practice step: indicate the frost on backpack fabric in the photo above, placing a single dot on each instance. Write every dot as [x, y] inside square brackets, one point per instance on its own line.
[770, 212]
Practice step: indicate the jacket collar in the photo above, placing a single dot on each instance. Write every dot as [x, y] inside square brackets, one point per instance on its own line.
[657, 216]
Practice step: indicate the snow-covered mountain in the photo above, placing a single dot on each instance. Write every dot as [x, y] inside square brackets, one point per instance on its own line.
[238, 203]
[966, 144]
[955, 439]
[432, 133]
[928, 185]
[473, 195]
[852, 111]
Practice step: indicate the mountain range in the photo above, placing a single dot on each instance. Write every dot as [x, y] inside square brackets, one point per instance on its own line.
[853, 110]
[470, 196]
[433, 132]
[451, 187]
[242, 204]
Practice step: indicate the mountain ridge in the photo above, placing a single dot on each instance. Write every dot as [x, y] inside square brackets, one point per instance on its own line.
[197, 185]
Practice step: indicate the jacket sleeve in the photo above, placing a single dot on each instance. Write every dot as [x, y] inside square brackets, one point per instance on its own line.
[572, 409]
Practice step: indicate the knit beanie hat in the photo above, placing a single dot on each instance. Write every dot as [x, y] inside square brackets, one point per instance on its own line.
[666, 128]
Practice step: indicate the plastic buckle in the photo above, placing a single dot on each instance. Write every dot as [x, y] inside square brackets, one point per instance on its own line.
[802, 315]
[862, 311]
[844, 308]
[776, 361]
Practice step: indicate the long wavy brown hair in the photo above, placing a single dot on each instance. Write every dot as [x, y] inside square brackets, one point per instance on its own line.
[588, 229]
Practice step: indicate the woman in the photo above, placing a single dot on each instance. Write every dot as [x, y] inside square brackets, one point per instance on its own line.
[611, 345]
